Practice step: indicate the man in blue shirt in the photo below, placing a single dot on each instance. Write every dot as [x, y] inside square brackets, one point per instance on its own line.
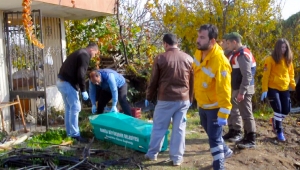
[111, 85]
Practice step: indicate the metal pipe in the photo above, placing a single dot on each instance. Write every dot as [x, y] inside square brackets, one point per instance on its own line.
[8, 60]
[44, 77]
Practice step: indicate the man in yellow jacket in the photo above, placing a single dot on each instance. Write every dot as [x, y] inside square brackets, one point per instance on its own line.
[212, 87]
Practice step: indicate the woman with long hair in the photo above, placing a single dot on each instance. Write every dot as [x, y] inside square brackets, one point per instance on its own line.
[278, 77]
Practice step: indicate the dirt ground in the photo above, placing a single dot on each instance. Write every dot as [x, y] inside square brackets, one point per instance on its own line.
[269, 154]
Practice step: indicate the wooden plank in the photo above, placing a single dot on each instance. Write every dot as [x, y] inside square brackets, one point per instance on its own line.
[2, 118]
[22, 114]
[6, 104]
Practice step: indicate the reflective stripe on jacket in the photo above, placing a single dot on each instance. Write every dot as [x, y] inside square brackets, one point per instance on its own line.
[212, 85]
[243, 70]
[278, 76]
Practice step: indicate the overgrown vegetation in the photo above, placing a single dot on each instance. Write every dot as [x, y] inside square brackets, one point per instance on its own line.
[140, 30]
[48, 138]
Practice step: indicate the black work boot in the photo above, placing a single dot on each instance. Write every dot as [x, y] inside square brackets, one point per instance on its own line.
[81, 139]
[244, 138]
[237, 136]
[248, 142]
[229, 134]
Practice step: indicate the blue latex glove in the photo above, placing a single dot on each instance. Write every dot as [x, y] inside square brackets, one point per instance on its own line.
[263, 95]
[146, 103]
[113, 109]
[85, 95]
[222, 122]
[94, 109]
[106, 109]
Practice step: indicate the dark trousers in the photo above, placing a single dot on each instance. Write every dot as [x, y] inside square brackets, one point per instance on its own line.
[104, 96]
[208, 120]
[281, 103]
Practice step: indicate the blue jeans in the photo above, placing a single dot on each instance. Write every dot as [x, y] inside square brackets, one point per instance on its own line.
[72, 107]
[208, 120]
[164, 111]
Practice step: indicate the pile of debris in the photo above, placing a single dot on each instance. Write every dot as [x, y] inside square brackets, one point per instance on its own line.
[92, 159]
[7, 142]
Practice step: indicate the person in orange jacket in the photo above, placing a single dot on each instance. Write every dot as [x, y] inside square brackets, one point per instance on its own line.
[278, 77]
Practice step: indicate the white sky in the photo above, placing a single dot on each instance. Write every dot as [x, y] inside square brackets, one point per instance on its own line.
[290, 7]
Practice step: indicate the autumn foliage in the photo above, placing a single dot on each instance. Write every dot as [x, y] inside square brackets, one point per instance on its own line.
[28, 24]
[258, 21]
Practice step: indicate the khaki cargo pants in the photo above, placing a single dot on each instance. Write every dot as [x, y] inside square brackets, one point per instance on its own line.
[241, 113]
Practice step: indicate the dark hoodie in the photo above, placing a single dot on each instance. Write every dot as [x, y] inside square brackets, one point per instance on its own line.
[73, 69]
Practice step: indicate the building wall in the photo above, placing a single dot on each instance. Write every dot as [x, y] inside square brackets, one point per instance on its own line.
[104, 6]
[54, 39]
[63, 38]
[53, 48]
[4, 90]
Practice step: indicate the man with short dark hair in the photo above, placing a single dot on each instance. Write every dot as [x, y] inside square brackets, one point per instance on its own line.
[232, 129]
[108, 84]
[71, 78]
[242, 83]
[227, 52]
[172, 81]
[212, 91]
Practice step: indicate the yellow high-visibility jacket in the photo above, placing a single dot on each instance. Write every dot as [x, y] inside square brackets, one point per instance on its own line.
[212, 81]
[278, 76]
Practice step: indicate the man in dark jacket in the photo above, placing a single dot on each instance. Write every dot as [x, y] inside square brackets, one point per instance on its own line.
[108, 84]
[71, 79]
[172, 81]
